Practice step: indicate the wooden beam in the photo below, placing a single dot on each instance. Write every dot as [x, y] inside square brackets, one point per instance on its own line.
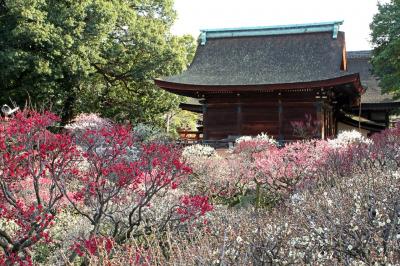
[280, 119]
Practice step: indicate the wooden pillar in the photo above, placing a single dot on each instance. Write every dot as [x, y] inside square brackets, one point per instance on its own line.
[280, 119]
[329, 123]
[320, 119]
[239, 118]
[205, 118]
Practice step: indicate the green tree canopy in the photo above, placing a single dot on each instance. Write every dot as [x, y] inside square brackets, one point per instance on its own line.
[385, 35]
[91, 55]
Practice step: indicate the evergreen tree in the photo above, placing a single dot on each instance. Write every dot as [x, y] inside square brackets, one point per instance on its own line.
[385, 35]
[91, 56]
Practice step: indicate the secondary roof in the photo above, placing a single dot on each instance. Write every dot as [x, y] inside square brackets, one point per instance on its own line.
[358, 62]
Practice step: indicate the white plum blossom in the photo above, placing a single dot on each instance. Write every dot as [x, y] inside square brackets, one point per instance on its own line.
[198, 150]
[88, 121]
[261, 137]
[243, 138]
[346, 138]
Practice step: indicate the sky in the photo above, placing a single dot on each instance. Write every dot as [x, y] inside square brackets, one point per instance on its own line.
[194, 15]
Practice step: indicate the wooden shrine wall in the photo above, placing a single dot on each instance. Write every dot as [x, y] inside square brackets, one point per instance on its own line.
[272, 113]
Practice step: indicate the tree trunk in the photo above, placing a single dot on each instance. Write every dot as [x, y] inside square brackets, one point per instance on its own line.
[258, 195]
[68, 109]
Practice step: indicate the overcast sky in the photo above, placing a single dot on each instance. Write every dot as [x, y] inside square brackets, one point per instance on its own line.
[194, 15]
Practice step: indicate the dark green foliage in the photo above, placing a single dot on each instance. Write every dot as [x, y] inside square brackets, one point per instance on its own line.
[385, 35]
[91, 56]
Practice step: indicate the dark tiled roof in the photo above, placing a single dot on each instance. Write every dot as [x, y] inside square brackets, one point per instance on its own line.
[257, 60]
[359, 54]
[358, 61]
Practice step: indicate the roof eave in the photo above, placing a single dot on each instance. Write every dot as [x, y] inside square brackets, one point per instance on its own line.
[365, 124]
[201, 88]
[385, 106]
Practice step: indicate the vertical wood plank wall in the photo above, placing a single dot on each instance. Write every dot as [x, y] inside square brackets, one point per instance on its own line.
[227, 115]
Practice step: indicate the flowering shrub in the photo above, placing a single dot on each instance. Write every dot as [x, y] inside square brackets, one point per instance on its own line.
[282, 169]
[117, 201]
[260, 137]
[232, 178]
[99, 180]
[198, 150]
[191, 207]
[385, 151]
[344, 216]
[223, 180]
[93, 246]
[347, 223]
[88, 121]
[345, 138]
[243, 138]
[265, 137]
[32, 162]
[308, 128]
[355, 222]
[246, 148]
[340, 206]
[116, 194]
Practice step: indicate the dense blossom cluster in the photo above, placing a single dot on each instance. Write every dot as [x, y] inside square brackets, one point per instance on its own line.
[109, 179]
[260, 137]
[88, 121]
[93, 245]
[192, 205]
[31, 158]
[282, 169]
[338, 205]
[347, 138]
[114, 200]
[198, 150]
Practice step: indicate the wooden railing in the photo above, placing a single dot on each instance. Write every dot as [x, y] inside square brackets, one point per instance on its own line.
[189, 136]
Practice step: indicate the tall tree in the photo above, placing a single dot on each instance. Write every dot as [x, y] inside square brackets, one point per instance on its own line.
[90, 55]
[385, 33]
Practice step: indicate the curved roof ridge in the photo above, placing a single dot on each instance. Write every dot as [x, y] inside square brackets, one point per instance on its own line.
[271, 30]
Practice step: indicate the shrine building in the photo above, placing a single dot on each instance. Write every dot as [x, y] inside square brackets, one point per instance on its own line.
[262, 79]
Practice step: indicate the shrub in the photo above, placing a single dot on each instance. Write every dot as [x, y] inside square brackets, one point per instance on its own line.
[32, 162]
[110, 180]
[223, 180]
[351, 217]
[118, 201]
[121, 197]
[148, 133]
[88, 121]
[284, 169]
[198, 150]
[346, 138]
[260, 137]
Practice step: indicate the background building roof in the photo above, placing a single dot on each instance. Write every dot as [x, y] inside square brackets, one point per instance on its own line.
[358, 61]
